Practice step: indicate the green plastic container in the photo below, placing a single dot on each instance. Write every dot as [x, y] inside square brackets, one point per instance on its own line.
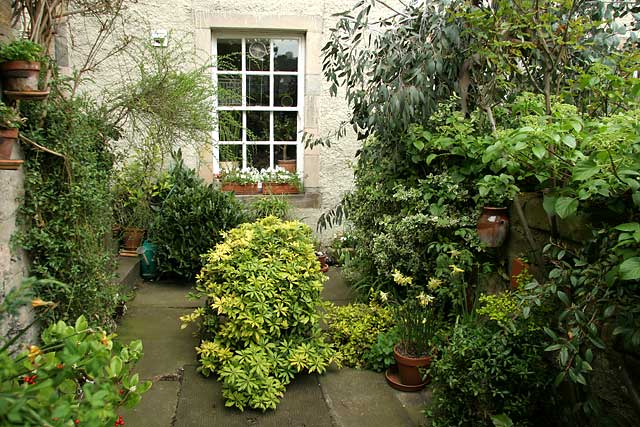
[148, 269]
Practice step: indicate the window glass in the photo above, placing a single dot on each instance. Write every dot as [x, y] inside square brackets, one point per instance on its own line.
[285, 55]
[229, 54]
[285, 91]
[285, 125]
[258, 54]
[258, 90]
[258, 125]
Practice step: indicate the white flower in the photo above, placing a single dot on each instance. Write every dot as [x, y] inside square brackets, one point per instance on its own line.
[384, 296]
[424, 299]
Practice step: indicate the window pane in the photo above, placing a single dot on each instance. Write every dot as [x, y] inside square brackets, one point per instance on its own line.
[229, 90]
[230, 156]
[285, 55]
[258, 54]
[285, 156]
[285, 126]
[230, 54]
[258, 90]
[258, 156]
[285, 91]
[257, 125]
[230, 125]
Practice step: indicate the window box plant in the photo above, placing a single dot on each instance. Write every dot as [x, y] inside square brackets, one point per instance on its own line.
[20, 62]
[280, 181]
[10, 121]
[240, 181]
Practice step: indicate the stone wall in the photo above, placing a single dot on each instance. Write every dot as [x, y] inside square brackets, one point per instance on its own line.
[13, 261]
[328, 171]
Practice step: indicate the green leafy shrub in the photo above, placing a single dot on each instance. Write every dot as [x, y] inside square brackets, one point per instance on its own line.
[270, 206]
[261, 323]
[488, 368]
[189, 221]
[76, 375]
[353, 330]
[20, 50]
[66, 212]
[380, 356]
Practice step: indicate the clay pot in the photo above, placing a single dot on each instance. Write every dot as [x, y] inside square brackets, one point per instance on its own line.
[408, 368]
[20, 76]
[240, 189]
[493, 226]
[132, 238]
[288, 165]
[517, 267]
[8, 137]
[322, 259]
[273, 188]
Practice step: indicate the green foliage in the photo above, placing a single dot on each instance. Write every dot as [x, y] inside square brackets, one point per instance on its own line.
[380, 355]
[281, 176]
[416, 322]
[354, 330]
[189, 220]
[485, 371]
[261, 321]
[20, 50]
[164, 100]
[75, 373]
[270, 206]
[9, 117]
[66, 212]
[496, 190]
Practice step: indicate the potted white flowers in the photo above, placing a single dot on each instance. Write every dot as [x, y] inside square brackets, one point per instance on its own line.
[240, 181]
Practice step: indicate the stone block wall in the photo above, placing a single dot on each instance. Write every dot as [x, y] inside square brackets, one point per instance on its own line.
[13, 261]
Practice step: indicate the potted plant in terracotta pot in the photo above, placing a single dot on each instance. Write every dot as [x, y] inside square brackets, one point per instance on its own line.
[495, 194]
[132, 190]
[280, 181]
[10, 122]
[20, 62]
[240, 181]
[416, 324]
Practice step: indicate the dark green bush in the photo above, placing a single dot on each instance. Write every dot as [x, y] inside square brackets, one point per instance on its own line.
[190, 220]
[270, 206]
[486, 370]
[66, 212]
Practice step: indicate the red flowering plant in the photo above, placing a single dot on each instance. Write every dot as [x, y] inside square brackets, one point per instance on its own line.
[75, 375]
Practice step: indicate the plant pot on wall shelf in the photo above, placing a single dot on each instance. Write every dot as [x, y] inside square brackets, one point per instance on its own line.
[8, 137]
[493, 226]
[279, 188]
[240, 189]
[131, 241]
[406, 375]
[518, 266]
[20, 80]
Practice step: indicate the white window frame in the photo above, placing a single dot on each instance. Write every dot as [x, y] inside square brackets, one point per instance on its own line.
[299, 108]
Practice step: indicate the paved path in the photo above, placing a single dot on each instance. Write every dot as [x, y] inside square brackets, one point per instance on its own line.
[180, 397]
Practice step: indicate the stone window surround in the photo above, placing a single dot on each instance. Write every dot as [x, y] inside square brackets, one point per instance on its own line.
[311, 26]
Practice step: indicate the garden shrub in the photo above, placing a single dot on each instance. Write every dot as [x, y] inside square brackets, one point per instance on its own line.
[260, 325]
[66, 212]
[491, 367]
[75, 375]
[270, 206]
[354, 329]
[189, 220]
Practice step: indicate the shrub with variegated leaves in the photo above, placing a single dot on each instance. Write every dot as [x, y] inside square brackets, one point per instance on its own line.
[260, 324]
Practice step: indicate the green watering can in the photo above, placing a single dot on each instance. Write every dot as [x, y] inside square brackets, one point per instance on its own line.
[148, 269]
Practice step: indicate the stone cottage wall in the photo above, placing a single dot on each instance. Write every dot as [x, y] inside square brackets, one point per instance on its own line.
[328, 171]
[13, 261]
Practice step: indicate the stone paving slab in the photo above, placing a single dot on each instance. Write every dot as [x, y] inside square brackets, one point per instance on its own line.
[166, 347]
[201, 404]
[335, 288]
[157, 407]
[164, 294]
[361, 398]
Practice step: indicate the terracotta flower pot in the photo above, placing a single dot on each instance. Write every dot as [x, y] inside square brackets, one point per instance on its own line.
[408, 372]
[273, 188]
[493, 226]
[20, 76]
[322, 259]
[288, 165]
[241, 189]
[8, 137]
[517, 267]
[132, 238]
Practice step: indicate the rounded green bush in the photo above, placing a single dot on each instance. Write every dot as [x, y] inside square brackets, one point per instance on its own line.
[261, 321]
